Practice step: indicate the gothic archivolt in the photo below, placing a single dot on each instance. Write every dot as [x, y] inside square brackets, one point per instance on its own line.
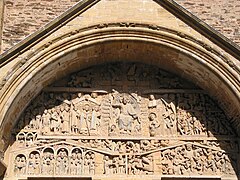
[123, 118]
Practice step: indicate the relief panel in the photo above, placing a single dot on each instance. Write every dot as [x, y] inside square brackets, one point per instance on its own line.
[123, 119]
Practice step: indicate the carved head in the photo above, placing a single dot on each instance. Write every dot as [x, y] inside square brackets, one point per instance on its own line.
[67, 107]
[18, 159]
[94, 95]
[96, 108]
[31, 156]
[23, 159]
[106, 158]
[151, 97]
[124, 100]
[188, 147]
[86, 107]
[62, 108]
[37, 156]
[79, 95]
[152, 116]
[87, 156]
[79, 155]
[58, 109]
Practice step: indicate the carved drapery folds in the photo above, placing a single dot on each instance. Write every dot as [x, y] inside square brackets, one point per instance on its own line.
[123, 118]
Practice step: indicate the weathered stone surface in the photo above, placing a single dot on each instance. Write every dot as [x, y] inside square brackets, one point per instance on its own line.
[123, 119]
[23, 17]
[222, 15]
[120, 117]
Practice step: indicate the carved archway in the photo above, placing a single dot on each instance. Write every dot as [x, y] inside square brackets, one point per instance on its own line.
[161, 47]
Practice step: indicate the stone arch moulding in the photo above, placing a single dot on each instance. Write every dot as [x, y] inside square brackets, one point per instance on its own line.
[166, 48]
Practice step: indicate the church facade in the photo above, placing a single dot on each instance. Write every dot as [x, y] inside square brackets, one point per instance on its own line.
[121, 90]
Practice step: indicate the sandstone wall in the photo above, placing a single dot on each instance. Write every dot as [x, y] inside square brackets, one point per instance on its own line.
[23, 17]
[222, 15]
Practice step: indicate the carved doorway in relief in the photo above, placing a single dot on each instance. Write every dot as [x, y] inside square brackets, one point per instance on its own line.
[122, 119]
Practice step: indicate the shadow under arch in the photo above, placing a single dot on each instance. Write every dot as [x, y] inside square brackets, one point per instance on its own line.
[167, 51]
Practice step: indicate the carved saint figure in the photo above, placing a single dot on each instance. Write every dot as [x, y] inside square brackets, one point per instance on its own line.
[152, 101]
[154, 124]
[107, 165]
[62, 162]
[85, 118]
[31, 164]
[65, 118]
[75, 120]
[46, 121]
[20, 165]
[169, 116]
[47, 162]
[55, 120]
[126, 116]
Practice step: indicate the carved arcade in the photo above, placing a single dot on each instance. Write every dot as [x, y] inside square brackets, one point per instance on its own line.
[119, 119]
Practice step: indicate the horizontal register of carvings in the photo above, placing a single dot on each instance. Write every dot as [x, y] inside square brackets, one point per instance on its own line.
[123, 118]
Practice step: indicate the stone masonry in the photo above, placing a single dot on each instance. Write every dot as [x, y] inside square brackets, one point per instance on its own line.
[23, 17]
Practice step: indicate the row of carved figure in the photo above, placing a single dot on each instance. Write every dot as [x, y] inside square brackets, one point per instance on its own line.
[121, 113]
[119, 74]
[180, 160]
[191, 159]
[60, 164]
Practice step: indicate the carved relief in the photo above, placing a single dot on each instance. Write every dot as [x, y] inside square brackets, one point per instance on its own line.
[20, 164]
[34, 163]
[190, 159]
[139, 165]
[123, 119]
[48, 162]
[76, 162]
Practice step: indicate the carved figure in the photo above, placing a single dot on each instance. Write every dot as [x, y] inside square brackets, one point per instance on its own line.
[126, 116]
[152, 101]
[86, 116]
[46, 122]
[31, 164]
[62, 162]
[126, 131]
[75, 120]
[107, 165]
[20, 165]
[48, 162]
[55, 120]
[154, 124]
[65, 118]
[169, 116]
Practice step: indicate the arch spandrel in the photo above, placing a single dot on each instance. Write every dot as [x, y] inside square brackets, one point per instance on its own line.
[120, 119]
